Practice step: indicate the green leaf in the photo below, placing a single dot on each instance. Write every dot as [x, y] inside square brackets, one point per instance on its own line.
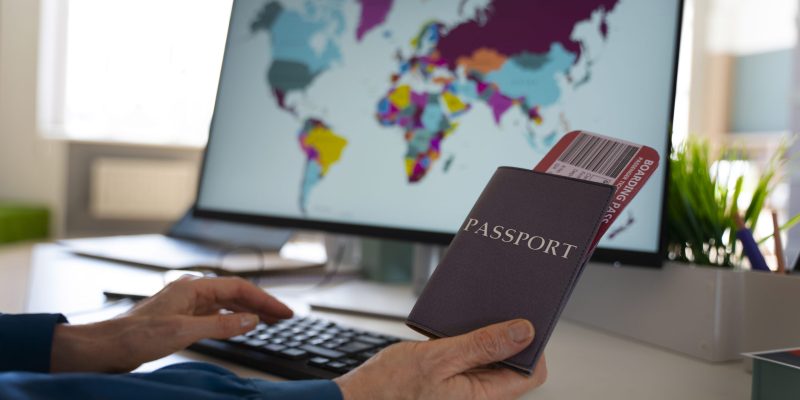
[786, 226]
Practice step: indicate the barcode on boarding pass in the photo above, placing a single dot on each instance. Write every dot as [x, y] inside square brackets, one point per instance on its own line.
[594, 158]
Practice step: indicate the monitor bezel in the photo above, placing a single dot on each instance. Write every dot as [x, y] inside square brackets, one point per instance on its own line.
[603, 255]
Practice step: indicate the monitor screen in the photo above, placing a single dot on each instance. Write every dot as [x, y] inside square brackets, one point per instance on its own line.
[387, 117]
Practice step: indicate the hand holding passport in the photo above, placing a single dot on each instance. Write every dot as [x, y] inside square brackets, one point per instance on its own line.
[521, 249]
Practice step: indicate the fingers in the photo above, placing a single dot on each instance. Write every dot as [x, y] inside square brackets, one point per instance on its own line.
[239, 295]
[483, 346]
[217, 326]
[505, 383]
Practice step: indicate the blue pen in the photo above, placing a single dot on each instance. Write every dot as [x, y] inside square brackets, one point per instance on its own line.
[750, 246]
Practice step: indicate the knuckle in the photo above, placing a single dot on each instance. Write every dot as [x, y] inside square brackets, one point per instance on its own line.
[431, 359]
[227, 325]
[238, 281]
[424, 362]
[179, 285]
[486, 345]
[240, 285]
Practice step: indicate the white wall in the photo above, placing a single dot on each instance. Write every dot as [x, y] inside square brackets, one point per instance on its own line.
[31, 168]
[793, 246]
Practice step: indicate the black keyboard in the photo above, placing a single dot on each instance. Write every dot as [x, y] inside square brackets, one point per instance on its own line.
[299, 348]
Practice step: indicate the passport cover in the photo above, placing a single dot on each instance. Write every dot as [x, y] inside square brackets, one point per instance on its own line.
[518, 254]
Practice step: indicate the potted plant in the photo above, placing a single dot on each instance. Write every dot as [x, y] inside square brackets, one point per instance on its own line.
[703, 201]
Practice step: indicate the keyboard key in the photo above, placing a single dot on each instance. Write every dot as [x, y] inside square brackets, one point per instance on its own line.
[371, 339]
[354, 347]
[293, 343]
[321, 351]
[274, 348]
[255, 342]
[293, 354]
[318, 361]
[349, 361]
[336, 366]
[339, 340]
[239, 339]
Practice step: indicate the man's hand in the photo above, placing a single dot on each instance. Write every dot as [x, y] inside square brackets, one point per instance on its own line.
[182, 313]
[448, 368]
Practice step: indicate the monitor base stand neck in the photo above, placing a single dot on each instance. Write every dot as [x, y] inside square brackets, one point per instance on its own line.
[425, 259]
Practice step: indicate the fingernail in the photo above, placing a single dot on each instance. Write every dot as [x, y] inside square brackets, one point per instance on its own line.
[520, 331]
[249, 320]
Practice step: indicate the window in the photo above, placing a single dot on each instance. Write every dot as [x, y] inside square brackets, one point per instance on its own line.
[134, 71]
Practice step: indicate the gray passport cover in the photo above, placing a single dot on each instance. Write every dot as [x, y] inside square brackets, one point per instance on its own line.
[518, 254]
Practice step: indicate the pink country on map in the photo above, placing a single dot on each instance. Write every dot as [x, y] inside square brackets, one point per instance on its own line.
[496, 58]
[373, 14]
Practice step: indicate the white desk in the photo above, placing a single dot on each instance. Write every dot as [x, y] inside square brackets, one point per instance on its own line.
[583, 363]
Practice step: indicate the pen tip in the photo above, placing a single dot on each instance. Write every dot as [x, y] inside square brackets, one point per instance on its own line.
[739, 221]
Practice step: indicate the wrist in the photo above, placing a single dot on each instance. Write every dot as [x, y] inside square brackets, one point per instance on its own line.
[82, 348]
[343, 387]
[346, 388]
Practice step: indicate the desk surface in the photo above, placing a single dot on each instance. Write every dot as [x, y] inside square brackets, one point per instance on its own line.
[582, 362]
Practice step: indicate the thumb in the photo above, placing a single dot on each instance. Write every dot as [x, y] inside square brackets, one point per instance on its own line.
[219, 326]
[486, 345]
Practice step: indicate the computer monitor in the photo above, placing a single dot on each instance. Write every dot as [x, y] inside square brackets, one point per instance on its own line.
[386, 118]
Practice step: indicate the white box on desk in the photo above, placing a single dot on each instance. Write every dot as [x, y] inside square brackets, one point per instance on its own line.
[714, 314]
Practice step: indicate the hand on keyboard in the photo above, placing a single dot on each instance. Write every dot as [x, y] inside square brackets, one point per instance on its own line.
[182, 313]
[447, 368]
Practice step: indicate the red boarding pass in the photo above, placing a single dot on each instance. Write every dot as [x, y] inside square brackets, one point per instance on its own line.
[598, 158]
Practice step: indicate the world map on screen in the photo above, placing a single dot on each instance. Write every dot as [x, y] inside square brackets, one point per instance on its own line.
[512, 56]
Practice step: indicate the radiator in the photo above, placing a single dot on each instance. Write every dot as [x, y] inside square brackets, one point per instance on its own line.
[141, 189]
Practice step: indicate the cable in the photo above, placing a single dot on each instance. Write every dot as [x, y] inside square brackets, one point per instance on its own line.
[255, 249]
[336, 265]
[258, 280]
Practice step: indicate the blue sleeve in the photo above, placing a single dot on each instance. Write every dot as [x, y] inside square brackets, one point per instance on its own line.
[26, 341]
[196, 381]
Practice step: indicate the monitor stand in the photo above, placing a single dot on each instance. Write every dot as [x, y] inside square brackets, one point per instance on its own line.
[426, 258]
